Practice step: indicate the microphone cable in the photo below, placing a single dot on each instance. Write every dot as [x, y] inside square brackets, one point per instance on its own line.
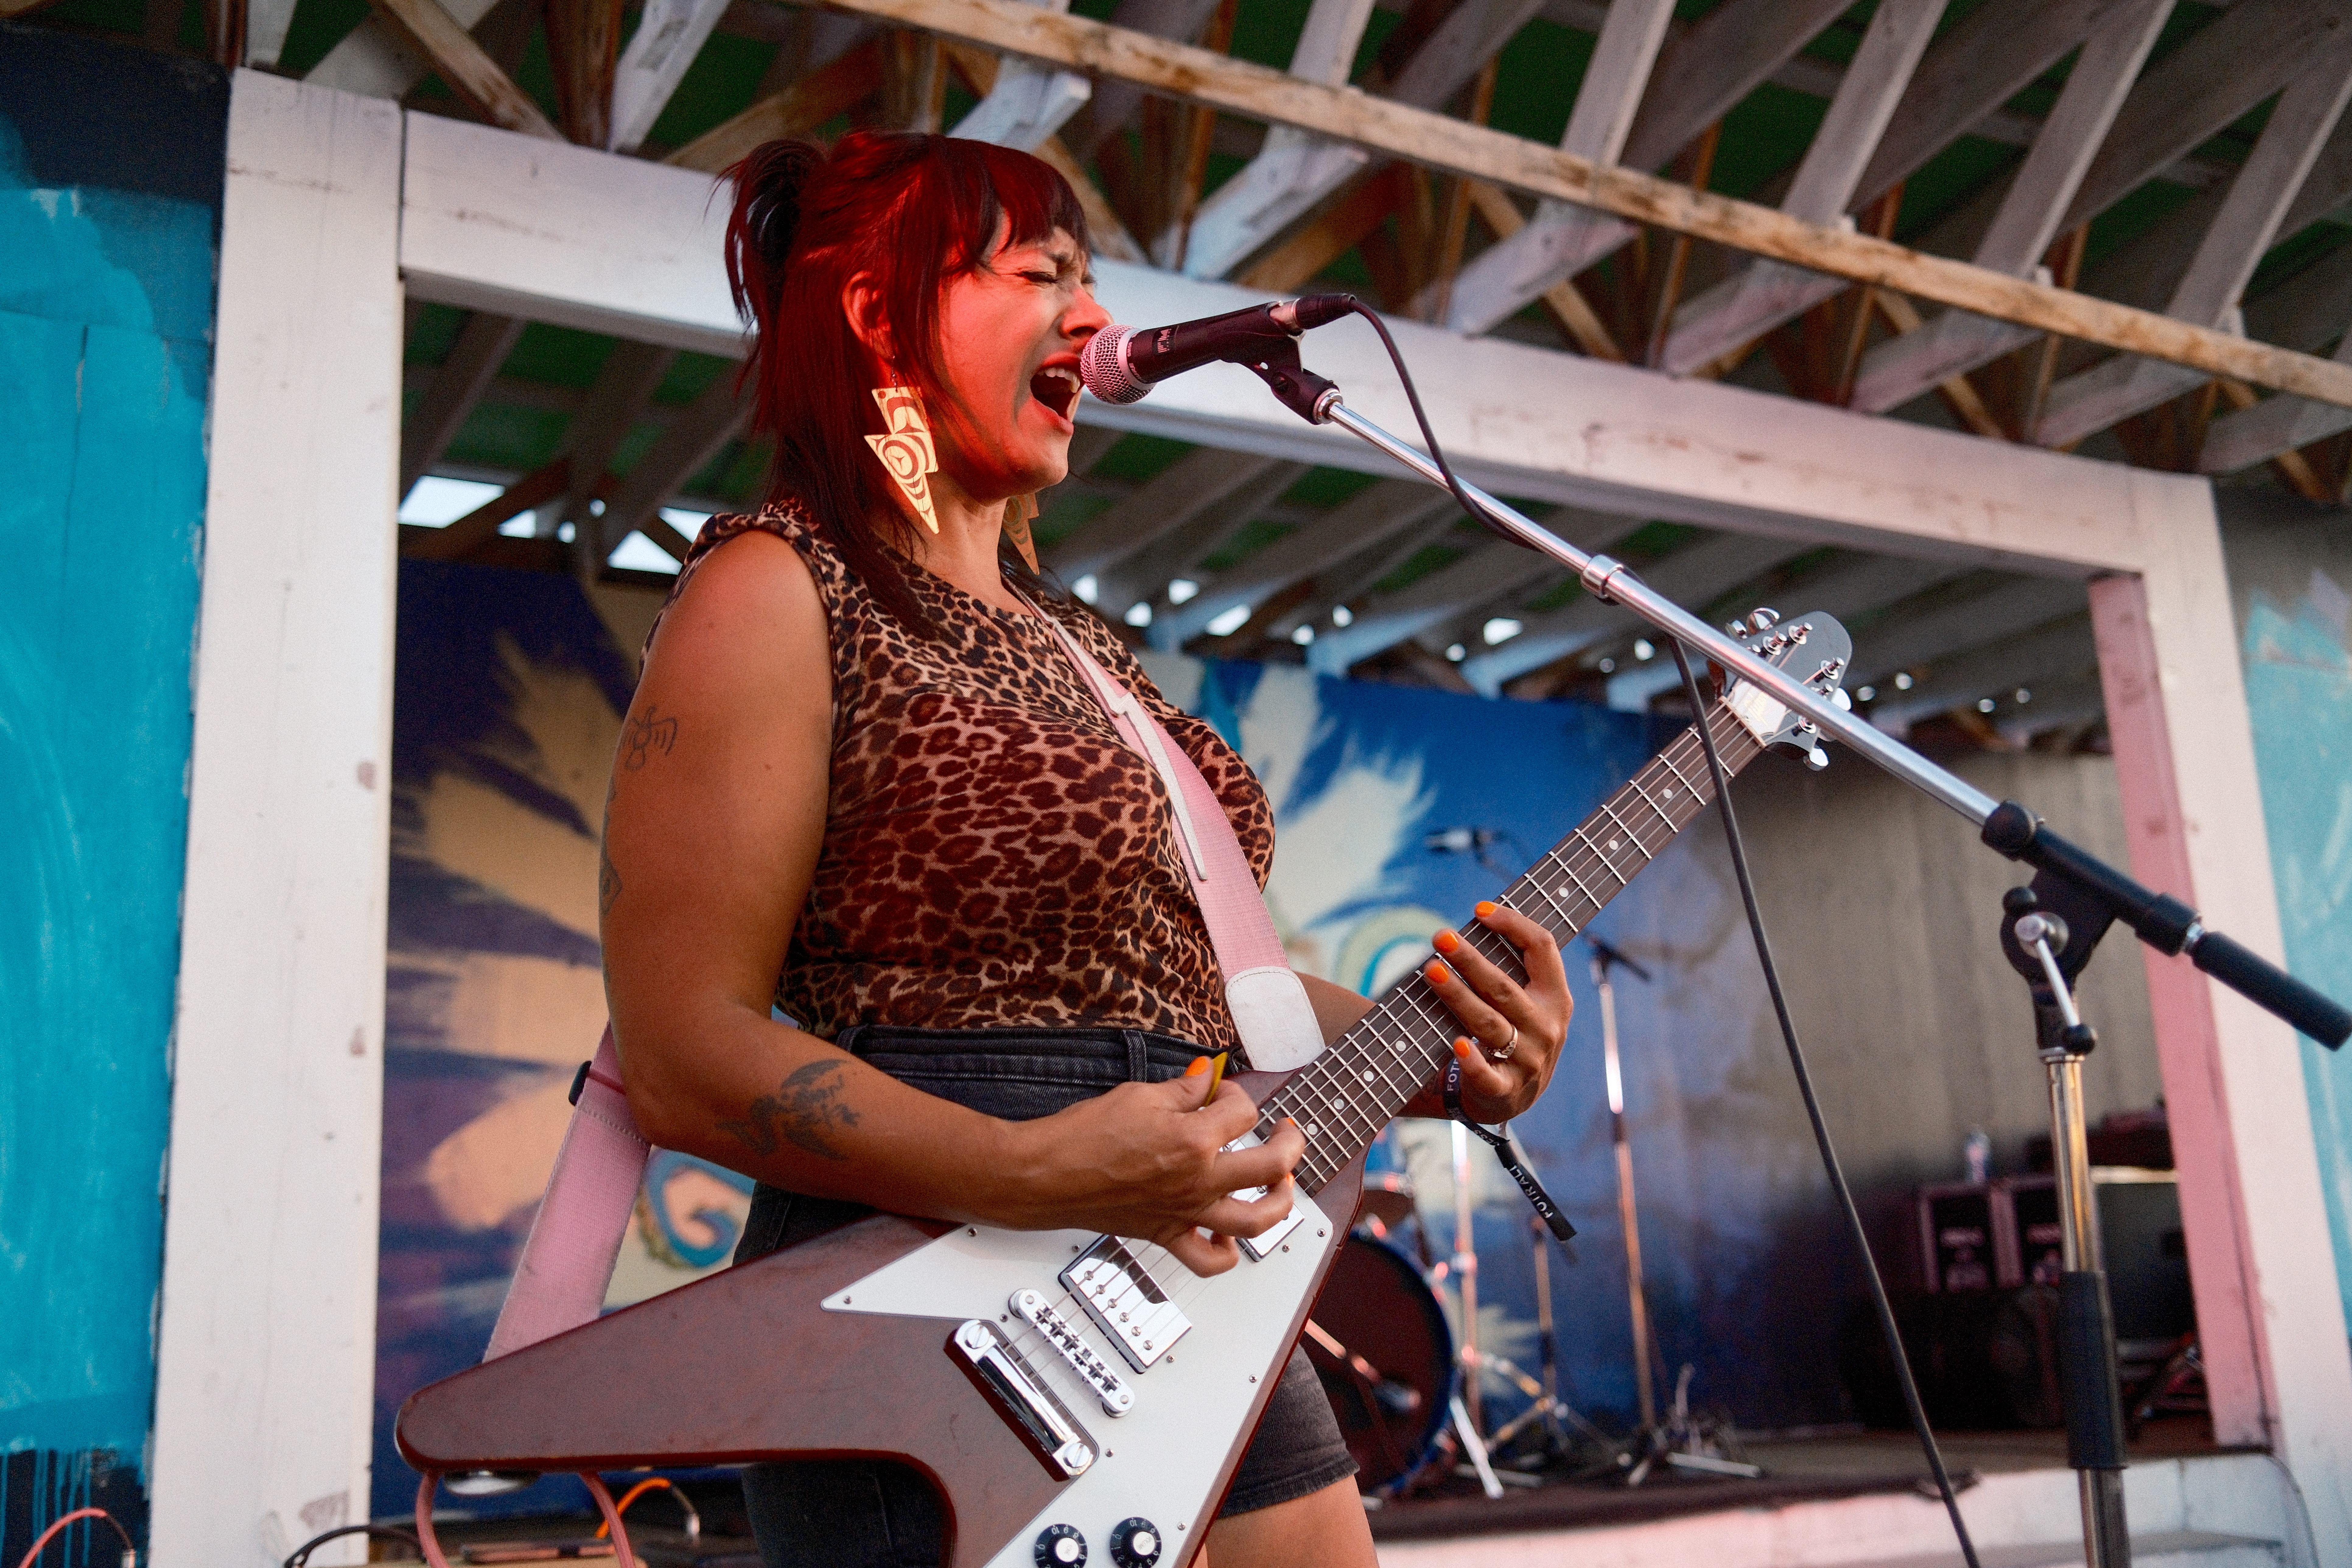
[1888, 1329]
[1830, 1162]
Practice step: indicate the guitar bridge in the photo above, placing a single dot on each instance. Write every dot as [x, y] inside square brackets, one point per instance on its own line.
[1050, 1428]
[1117, 1398]
[1119, 1294]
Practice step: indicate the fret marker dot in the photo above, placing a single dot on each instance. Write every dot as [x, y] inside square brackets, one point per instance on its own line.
[1367, 1075]
[1313, 1129]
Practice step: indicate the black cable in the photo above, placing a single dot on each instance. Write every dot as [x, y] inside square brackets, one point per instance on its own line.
[1428, 437]
[1813, 1111]
[1771, 979]
[302, 1554]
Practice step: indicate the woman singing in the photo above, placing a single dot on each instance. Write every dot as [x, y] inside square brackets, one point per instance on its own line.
[863, 782]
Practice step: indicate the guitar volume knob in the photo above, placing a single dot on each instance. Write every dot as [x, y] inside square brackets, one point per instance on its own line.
[1060, 1546]
[1135, 1543]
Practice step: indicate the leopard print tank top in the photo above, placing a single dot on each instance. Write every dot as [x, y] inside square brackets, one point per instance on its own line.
[994, 856]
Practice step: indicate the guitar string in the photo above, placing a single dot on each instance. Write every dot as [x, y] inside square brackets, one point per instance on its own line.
[1415, 993]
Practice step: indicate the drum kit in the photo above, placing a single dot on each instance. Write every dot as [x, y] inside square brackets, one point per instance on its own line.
[1408, 1389]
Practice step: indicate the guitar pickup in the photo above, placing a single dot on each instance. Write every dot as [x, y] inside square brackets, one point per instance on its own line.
[1119, 1294]
[1117, 1398]
[1258, 1248]
[1015, 1389]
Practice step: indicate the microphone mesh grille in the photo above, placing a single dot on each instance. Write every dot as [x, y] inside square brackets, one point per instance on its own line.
[1102, 365]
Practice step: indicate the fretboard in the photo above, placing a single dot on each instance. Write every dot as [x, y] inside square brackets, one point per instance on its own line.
[1344, 1098]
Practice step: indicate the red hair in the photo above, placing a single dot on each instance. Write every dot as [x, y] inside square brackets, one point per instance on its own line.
[909, 211]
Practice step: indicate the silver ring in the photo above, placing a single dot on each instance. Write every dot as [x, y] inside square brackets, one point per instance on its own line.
[1500, 1054]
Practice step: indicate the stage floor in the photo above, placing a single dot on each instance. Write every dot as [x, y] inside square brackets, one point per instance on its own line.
[1820, 1469]
[1813, 1469]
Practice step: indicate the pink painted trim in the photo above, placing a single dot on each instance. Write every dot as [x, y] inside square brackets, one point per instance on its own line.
[2222, 1271]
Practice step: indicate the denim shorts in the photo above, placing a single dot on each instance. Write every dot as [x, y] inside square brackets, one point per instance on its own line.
[859, 1513]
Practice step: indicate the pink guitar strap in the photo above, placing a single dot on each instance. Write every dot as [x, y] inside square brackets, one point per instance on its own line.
[567, 1260]
[1270, 1009]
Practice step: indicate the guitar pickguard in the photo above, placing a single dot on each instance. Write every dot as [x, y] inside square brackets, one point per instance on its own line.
[1165, 1458]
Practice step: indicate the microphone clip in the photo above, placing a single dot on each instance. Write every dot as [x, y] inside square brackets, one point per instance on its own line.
[1297, 388]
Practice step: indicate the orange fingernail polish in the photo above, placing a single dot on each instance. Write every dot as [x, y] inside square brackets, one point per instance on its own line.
[1200, 1064]
[1446, 941]
[1485, 909]
[1437, 973]
[1462, 1046]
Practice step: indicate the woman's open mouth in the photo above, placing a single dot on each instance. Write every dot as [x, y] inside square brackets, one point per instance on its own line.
[1056, 387]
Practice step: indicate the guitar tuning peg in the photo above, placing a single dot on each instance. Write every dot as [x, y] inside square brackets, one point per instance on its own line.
[1817, 759]
[1738, 628]
[1763, 618]
[1838, 696]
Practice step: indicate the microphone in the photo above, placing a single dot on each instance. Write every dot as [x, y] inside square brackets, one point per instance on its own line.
[1119, 364]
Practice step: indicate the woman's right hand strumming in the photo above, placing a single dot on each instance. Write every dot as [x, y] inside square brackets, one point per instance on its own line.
[712, 831]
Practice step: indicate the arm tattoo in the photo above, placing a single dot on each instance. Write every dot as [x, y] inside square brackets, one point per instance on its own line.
[804, 1108]
[645, 736]
[608, 883]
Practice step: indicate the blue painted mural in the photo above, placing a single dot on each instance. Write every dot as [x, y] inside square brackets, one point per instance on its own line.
[1397, 809]
[111, 170]
[2299, 696]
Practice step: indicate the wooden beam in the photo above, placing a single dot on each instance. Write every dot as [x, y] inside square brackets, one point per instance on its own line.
[584, 50]
[1334, 231]
[458, 384]
[1568, 306]
[1697, 77]
[978, 69]
[2299, 123]
[2025, 224]
[669, 36]
[1959, 394]
[225, 32]
[1440, 141]
[465, 65]
[1758, 297]
[462, 537]
[2293, 469]
[713, 420]
[798, 110]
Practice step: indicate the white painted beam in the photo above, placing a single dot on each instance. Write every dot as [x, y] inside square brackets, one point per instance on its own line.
[1910, 640]
[1690, 576]
[1490, 570]
[265, 23]
[1378, 511]
[1761, 296]
[1955, 342]
[2300, 124]
[1297, 169]
[1145, 573]
[266, 1342]
[2233, 64]
[372, 61]
[1193, 484]
[493, 221]
[2042, 654]
[701, 432]
[669, 35]
[1029, 101]
[456, 387]
[1116, 102]
[1694, 83]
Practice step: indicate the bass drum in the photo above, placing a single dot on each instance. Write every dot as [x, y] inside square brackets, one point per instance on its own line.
[1382, 1345]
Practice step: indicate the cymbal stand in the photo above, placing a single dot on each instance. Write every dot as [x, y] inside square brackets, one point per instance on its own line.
[1467, 1410]
[1605, 957]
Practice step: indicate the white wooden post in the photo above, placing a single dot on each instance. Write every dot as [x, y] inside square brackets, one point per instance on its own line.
[267, 1340]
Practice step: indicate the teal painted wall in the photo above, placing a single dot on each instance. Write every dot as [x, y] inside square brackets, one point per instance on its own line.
[111, 166]
[2299, 693]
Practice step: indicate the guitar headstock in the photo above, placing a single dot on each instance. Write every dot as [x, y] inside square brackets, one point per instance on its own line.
[1813, 645]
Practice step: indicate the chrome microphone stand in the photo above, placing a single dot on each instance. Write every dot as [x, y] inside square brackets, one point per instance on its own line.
[2033, 938]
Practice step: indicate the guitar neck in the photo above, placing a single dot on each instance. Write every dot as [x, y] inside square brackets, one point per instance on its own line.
[1344, 1098]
